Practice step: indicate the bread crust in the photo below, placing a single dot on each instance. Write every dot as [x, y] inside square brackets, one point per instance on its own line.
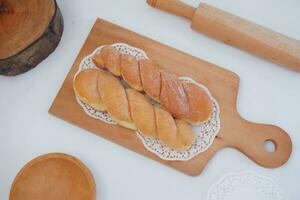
[162, 86]
[151, 79]
[114, 98]
[142, 113]
[86, 89]
[200, 101]
[131, 109]
[130, 72]
[173, 96]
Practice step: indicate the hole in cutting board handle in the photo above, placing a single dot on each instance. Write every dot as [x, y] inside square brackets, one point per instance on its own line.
[270, 146]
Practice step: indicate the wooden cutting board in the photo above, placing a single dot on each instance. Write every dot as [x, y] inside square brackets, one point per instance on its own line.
[245, 136]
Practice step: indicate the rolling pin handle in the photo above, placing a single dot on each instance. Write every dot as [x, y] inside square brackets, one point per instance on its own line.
[175, 7]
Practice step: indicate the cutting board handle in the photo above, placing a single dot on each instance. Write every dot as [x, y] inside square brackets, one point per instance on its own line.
[250, 139]
[175, 7]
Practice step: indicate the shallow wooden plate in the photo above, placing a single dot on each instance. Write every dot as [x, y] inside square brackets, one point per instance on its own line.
[54, 176]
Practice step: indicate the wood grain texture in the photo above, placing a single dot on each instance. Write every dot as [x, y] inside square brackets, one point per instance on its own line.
[248, 36]
[54, 176]
[29, 32]
[238, 32]
[174, 6]
[235, 132]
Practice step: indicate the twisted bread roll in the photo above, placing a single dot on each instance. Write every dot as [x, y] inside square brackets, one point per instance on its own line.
[131, 109]
[183, 100]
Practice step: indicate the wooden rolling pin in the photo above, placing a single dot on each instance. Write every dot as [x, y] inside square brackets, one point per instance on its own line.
[237, 32]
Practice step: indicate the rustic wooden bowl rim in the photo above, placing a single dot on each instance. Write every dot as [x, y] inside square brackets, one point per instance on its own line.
[77, 163]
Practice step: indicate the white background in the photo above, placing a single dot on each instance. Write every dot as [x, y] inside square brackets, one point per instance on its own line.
[268, 94]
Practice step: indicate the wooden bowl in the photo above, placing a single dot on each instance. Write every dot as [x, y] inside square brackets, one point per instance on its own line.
[54, 176]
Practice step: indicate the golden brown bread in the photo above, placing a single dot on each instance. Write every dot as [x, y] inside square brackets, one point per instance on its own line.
[130, 72]
[151, 80]
[97, 59]
[175, 133]
[173, 96]
[114, 98]
[166, 126]
[142, 113]
[112, 60]
[199, 100]
[162, 86]
[184, 139]
[131, 109]
[86, 90]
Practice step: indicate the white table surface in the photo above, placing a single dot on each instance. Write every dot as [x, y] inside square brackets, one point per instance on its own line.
[268, 94]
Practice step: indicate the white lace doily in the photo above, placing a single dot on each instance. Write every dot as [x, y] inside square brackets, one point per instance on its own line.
[246, 186]
[205, 132]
